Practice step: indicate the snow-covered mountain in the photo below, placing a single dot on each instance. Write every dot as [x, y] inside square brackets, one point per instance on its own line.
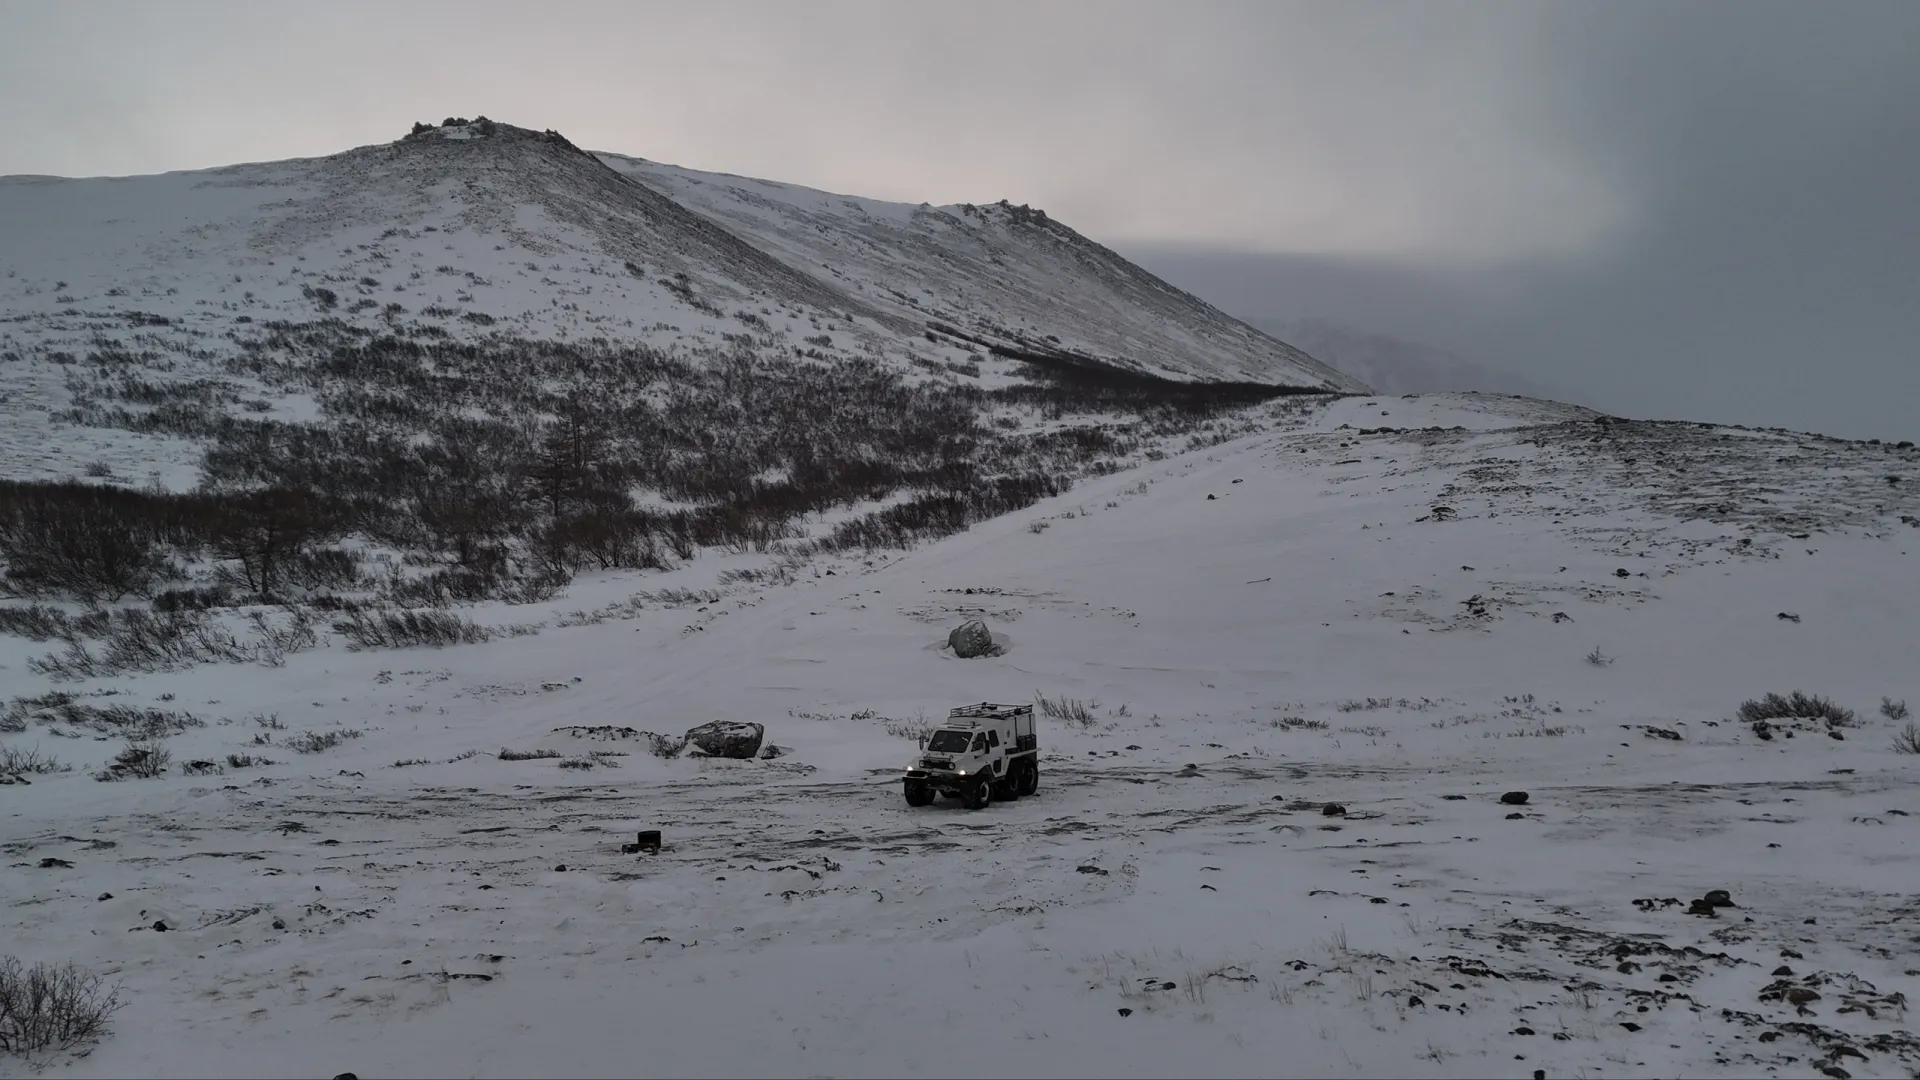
[1392, 365]
[998, 274]
[472, 231]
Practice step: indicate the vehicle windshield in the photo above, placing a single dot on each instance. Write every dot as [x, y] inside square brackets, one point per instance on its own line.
[948, 742]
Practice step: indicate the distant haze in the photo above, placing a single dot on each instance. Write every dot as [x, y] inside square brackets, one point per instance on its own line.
[1677, 210]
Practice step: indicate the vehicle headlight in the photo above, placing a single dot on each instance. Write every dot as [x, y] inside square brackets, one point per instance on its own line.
[963, 772]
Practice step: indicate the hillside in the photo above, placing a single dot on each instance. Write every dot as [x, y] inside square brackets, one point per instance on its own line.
[478, 232]
[998, 274]
[1392, 365]
[1287, 679]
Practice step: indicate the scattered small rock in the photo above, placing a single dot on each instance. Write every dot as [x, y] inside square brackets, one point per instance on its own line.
[1782, 972]
[160, 925]
[1516, 816]
[1719, 898]
[1623, 572]
[560, 869]
[1089, 868]
[1630, 1025]
[279, 924]
[1126, 1012]
[1514, 798]
[1333, 809]
[51, 863]
[1787, 616]
[106, 896]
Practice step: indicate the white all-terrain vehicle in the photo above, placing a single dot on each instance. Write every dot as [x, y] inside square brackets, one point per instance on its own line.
[981, 753]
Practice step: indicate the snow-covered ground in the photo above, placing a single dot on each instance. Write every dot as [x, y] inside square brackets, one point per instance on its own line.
[1259, 630]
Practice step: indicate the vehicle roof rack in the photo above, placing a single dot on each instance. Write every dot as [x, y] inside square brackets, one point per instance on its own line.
[986, 709]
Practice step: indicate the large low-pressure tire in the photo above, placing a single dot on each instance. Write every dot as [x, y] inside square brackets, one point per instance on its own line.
[1030, 777]
[918, 793]
[1007, 788]
[980, 795]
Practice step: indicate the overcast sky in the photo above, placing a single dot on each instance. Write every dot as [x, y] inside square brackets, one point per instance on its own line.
[1680, 209]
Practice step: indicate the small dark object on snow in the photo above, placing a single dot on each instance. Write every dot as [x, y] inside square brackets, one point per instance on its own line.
[560, 869]
[1539, 1074]
[1514, 798]
[1788, 616]
[346, 1076]
[160, 924]
[1126, 1012]
[727, 739]
[1523, 1030]
[1211, 496]
[1763, 730]
[1210, 888]
[1516, 816]
[648, 841]
[1832, 734]
[106, 896]
[971, 639]
[1783, 972]
[1333, 809]
[1719, 898]
[1630, 1025]
[1663, 733]
[279, 924]
[1239, 481]
[1089, 868]
[1701, 907]
[51, 863]
[1836, 1072]
[1623, 572]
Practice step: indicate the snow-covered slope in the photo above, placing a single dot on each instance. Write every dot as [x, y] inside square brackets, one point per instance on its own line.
[471, 231]
[1402, 609]
[1392, 365]
[999, 274]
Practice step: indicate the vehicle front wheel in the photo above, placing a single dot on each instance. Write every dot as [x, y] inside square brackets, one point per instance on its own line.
[918, 793]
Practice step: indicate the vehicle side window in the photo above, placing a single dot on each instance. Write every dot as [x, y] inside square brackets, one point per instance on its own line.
[979, 743]
[993, 738]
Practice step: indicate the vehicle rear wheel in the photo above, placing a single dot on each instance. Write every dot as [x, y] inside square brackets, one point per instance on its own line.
[918, 793]
[1030, 778]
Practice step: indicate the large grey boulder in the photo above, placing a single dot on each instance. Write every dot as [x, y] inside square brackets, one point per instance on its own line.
[971, 639]
[727, 739]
